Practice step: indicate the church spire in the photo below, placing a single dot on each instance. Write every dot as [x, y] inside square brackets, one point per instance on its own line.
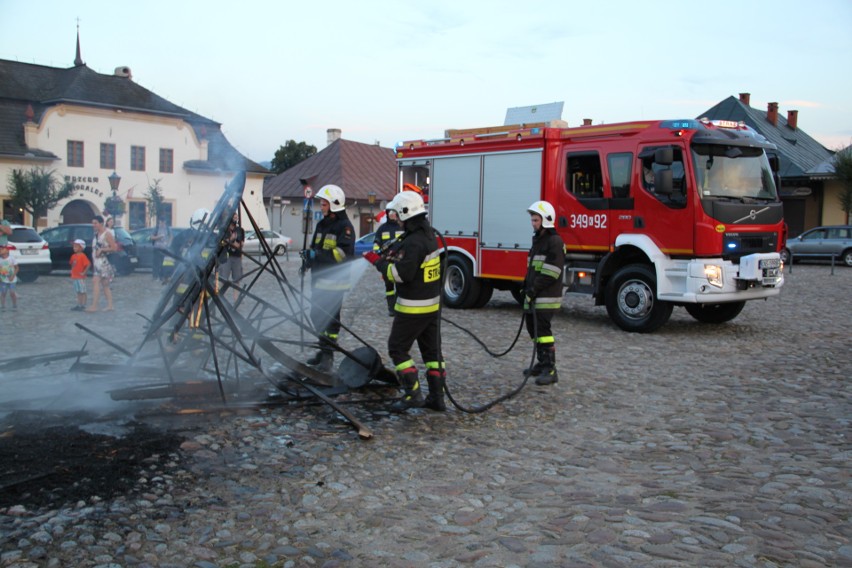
[78, 61]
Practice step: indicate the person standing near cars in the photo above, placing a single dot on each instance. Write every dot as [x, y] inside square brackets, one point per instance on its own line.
[8, 277]
[79, 267]
[102, 244]
[161, 238]
[232, 270]
[5, 231]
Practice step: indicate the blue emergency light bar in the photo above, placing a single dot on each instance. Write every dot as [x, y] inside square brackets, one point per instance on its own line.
[683, 124]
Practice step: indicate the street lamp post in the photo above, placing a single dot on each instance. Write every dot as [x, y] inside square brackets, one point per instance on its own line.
[371, 199]
[114, 180]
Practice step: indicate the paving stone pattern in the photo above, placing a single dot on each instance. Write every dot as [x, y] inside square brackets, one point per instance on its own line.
[697, 445]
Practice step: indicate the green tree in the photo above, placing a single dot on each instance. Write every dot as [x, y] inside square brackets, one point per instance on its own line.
[842, 162]
[114, 206]
[37, 191]
[154, 197]
[291, 154]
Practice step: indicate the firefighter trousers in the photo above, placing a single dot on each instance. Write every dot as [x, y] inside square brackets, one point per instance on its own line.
[541, 330]
[325, 311]
[408, 329]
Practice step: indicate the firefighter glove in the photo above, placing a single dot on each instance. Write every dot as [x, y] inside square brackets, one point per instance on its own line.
[372, 257]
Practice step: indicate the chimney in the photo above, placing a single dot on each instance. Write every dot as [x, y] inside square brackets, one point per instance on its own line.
[587, 122]
[333, 134]
[745, 98]
[772, 114]
[792, 118]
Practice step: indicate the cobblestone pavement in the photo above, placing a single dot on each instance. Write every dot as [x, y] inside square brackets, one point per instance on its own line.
[696, 445]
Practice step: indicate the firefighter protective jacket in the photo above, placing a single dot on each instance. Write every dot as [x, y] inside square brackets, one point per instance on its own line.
[415, 268]
[545, 263]
[385, 233]
[333, 242]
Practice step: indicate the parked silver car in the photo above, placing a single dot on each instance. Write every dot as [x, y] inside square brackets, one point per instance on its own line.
[821, 243]
[252, 244]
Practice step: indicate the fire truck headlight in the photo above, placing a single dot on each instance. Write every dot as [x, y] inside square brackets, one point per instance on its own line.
[713, 273]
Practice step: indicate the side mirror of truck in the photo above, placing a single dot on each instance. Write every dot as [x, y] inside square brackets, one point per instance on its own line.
[664, 156]
[663, 182]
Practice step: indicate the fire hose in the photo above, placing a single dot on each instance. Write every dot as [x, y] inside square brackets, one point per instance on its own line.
[503, 397]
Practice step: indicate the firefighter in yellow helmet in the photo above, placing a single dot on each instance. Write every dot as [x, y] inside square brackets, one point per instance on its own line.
[543, 289]
[333, 244]
[414, 266]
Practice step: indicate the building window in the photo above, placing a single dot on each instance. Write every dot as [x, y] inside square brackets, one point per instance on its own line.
[137, 158]
[107, 156]
[11, 213]
[167, 160]
[137, 215]
[75, 154]
[167, 213]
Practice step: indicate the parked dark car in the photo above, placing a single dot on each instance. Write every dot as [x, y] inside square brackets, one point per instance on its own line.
[60, 241]
[145, 247]
[821, 243]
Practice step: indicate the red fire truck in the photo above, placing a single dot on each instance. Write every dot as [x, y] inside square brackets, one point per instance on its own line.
[654, 214]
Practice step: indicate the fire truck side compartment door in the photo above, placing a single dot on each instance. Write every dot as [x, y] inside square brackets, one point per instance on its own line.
[511, 183]
[454, 198]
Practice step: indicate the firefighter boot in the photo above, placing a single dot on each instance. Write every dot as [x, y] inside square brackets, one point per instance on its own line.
[435, 399]
[315, 360]
[541, 355]
[412, 397]
[323, 359]
[548, 374]
[391, 303]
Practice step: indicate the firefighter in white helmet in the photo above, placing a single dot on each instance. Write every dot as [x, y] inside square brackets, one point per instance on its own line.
[543, 289]
[414, 266]
[333, 244]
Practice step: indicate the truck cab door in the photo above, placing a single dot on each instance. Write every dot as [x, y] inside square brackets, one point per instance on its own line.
[619, 172]
[661, 200]
[583, 214]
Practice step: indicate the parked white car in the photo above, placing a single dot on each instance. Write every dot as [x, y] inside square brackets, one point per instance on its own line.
[31, 252]
[273, 239]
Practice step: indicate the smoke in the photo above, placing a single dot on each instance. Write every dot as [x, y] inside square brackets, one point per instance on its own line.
[323, 303]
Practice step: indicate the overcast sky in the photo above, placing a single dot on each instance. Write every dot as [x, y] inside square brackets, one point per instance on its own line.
[271, 71]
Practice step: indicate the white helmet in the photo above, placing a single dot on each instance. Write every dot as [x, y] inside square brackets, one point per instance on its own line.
[199, 217]
[547, 212]
[407, 205]
[334, 195]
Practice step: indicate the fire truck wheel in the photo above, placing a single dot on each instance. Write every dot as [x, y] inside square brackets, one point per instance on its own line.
[461, 289]
[631, 300]
[486, 290]
[715, 313]
[518, 295]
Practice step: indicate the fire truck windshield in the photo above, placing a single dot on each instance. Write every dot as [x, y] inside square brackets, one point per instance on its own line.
[734, 172]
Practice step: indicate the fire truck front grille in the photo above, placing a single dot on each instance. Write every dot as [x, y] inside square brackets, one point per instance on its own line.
[736, 245]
